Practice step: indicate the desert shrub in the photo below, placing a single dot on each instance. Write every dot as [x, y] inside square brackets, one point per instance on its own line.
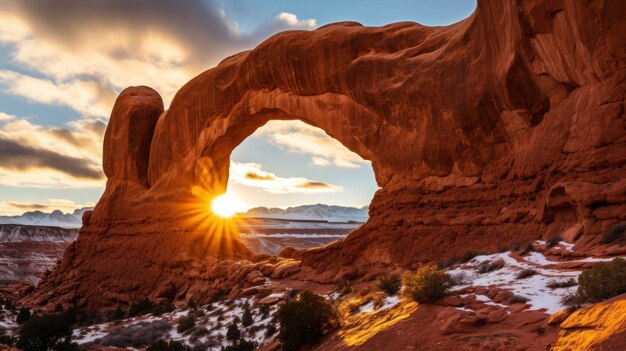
[390, 283]
[270, 330]
[459, 278]
[614, 234]
[162, 345]
[233, 332]
[450, 262]
[468, 256]
[343, 287]
[527, 249]
[490, 266]
[186, 324]
[23, 315]
[161, 309]
[142, 307]
[525, 273]
[518, 299]
[553, 241]
[117, 314]
[7, 340]
[198, 333]
[246, 317]
[264, 311]
[603, 281]
[48, 332]
[240, 345]
[305, 320]
[427, 284]
[572, 300]
[136, 335]
[554, 284]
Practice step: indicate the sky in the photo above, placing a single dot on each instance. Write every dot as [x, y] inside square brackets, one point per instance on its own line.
[63, 62]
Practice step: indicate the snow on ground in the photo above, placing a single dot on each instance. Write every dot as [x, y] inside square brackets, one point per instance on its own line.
[534, 287]
[7, 321]
[209, 332]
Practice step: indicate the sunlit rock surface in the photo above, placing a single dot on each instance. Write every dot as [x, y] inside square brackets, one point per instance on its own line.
[506, 126]
[597, 327]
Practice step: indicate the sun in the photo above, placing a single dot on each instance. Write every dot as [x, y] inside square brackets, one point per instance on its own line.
[227, 205]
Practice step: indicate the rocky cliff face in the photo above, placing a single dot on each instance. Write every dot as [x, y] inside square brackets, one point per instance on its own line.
[507, 126]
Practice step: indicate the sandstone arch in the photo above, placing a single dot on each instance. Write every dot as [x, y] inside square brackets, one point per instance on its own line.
[468, 127]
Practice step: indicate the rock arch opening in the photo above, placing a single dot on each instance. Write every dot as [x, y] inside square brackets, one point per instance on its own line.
[292, 185]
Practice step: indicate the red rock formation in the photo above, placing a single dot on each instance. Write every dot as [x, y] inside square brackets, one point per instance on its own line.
[507, 126]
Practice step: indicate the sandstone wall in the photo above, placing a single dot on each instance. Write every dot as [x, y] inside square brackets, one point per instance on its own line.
[505, 127]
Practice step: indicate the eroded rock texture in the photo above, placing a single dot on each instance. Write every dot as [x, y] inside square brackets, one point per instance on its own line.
[505, 127]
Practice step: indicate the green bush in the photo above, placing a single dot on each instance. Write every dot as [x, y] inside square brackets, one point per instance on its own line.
[162, 345]
[142, 307]
[23, 315]
[427, 284]
[603, 281]
[305, 320]
[614, 234]
[43, 333]
[390, 284]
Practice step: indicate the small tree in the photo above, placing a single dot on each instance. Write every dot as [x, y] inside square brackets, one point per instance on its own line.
[603, 281]
[390, 284]
[246, 318]
[43, 333]
[427, 284]
[233, 334]
[305, 320]
[23, 315]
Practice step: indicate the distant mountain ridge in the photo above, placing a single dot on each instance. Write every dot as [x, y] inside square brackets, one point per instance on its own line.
[312, 212]
[55, 218]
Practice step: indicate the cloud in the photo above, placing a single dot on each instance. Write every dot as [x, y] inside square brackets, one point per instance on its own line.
[81, 53]
[51, 157]
[289, 19]
[89, 98]
[14, 156]
[12, 208]
[299, 137]
[4, 117]
[252, 174]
